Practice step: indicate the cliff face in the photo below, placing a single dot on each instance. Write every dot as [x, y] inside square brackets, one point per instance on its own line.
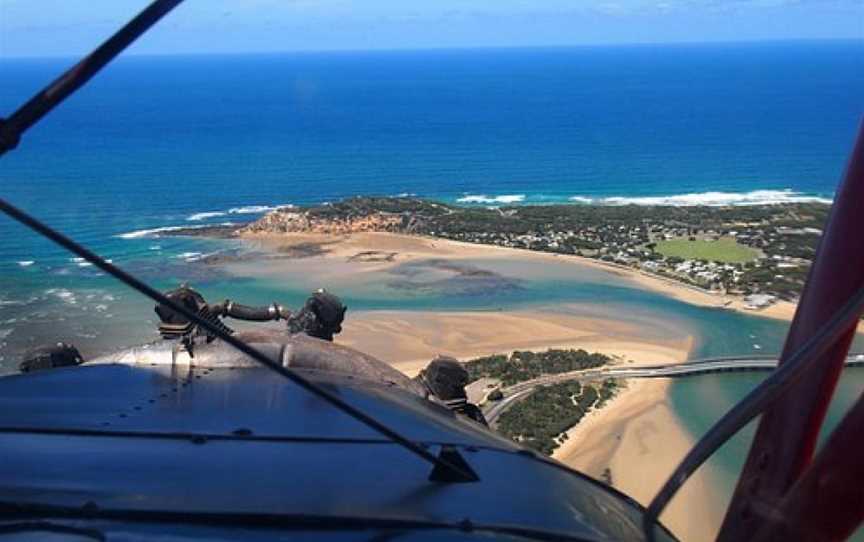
[293, 221]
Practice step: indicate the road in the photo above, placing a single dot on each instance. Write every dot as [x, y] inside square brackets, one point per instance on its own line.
[516, 392]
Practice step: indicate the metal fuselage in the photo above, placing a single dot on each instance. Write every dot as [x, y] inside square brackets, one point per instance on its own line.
[150, 438]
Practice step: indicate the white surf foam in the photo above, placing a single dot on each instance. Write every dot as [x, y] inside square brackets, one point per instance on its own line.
[154, 232]
[26, 263]
[146, 233]
[483, 198]
[190, 256]
[255, 209]
[63, 294]
[711, 199]
[205, 215]
[243, 210]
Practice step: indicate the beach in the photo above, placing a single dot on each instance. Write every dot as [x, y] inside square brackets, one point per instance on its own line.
[384, 250]
[637, 440]
[409, 339]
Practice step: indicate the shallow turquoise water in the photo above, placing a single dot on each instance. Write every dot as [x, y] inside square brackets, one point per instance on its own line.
[700, 401]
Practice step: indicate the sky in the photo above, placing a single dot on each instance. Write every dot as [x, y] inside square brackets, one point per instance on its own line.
[65, 27]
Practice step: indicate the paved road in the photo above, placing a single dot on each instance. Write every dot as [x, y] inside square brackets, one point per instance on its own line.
[521, 390]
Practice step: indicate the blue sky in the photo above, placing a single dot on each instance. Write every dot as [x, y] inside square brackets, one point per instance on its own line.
[65, 27]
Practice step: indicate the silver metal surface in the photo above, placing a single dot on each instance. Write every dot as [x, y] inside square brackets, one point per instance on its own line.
[217, 436]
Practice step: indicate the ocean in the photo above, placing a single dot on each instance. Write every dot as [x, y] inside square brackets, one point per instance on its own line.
[155, 143]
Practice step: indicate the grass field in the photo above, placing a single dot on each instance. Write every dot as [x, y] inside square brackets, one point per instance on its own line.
[724, 249]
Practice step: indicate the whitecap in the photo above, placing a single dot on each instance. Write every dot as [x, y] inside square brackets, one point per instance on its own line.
[190, 256]
[137, 234]
[719, 199]
[256, 209]
[205, 215]
[241, 210]
[482, 198]
[581, 199]
[26, 263]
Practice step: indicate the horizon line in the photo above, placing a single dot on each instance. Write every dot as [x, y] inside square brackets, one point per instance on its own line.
[766, 41]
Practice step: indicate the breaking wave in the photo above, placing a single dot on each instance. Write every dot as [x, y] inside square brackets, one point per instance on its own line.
[482, 198]
[205, 216]
[244, 210]
[154, 232]
[712, 199]
[190, 256]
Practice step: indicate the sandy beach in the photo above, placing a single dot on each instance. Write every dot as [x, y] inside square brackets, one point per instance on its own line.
[386, 249]
[408, 340]
[638, 438]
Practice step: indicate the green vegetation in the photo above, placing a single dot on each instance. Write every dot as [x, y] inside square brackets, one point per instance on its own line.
[360, 206]
[725, 250]
[522, 366]
[539, 420]
[656, 239]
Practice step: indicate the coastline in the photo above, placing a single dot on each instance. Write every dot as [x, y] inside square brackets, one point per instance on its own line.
[410, 247]
[636, 428]
[780, 310]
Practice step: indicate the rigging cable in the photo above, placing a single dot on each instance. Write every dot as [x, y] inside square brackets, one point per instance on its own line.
[43, 102]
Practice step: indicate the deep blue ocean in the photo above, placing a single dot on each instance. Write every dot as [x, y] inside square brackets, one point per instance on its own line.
[160, 142]
[154, 140]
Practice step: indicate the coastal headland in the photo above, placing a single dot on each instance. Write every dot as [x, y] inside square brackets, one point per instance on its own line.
[740, 257]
